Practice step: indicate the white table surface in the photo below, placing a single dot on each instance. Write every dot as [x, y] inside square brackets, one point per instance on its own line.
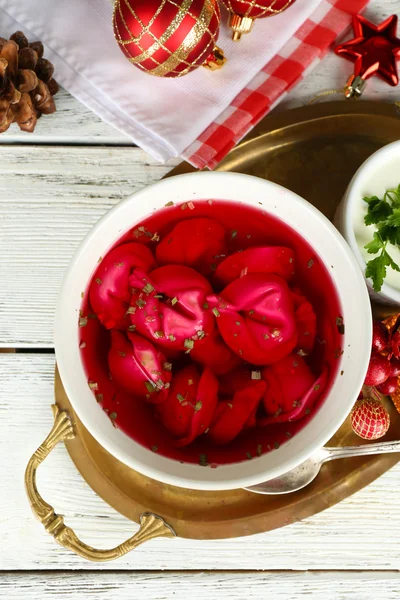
[54, 184]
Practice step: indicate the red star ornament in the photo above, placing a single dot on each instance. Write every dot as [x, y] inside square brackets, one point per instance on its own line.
[374, 49]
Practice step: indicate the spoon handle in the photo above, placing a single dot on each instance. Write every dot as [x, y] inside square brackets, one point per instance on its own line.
[365, 450]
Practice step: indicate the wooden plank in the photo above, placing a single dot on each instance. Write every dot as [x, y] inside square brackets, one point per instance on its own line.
[360, 533]
[49, 199]
[72, 123]
[202, 586]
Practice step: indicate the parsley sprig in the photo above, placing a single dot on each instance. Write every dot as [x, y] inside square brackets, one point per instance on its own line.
[385, 214]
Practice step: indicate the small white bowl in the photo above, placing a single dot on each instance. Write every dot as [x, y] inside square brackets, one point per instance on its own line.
[377, 174]
[327, 243]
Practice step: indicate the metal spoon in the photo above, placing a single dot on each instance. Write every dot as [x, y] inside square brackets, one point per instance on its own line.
[306, 472]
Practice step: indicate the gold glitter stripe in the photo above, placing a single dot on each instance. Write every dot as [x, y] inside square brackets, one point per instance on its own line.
[194, 36]
[266, 11]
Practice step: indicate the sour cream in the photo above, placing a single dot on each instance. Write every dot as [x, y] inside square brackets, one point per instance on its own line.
[376, 183]
[379, 173]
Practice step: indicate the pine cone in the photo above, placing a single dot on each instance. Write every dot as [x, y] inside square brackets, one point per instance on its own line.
[27, 86]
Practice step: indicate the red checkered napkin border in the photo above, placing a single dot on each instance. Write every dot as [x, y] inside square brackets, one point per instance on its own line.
[299, 55]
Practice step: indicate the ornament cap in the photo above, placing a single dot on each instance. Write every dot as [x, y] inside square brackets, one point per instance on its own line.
[239, 25]
[216, 60]
[354, 87]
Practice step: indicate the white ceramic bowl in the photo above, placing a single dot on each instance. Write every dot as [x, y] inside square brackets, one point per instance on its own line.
[327, 243]
[377, 174]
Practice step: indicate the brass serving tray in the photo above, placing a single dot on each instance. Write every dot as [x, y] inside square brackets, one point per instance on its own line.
[313, 151]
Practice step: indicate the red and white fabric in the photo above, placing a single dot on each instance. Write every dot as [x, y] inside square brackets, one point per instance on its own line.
[297, 57]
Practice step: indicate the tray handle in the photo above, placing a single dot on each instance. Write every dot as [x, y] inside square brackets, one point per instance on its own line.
[151, 525]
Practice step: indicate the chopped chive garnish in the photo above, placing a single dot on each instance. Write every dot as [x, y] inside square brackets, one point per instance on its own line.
[203, 461]
[83, 321]
[340, 325]
[198, 406]
[150, 387]
[216, 312]
[148, 288]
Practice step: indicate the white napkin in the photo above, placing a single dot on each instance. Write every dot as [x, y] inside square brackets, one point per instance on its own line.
[163, 116]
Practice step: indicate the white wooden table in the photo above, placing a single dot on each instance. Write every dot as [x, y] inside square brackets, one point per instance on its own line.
[54, 185]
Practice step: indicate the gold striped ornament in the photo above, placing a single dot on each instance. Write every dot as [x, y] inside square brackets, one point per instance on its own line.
[169, 38]
[243, 13]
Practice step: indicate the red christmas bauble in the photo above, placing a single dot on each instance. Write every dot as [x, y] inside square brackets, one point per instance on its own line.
[369, 419]
[243, 13]
[168, 38]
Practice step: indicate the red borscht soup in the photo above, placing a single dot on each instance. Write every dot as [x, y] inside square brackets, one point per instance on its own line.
[210, 333]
